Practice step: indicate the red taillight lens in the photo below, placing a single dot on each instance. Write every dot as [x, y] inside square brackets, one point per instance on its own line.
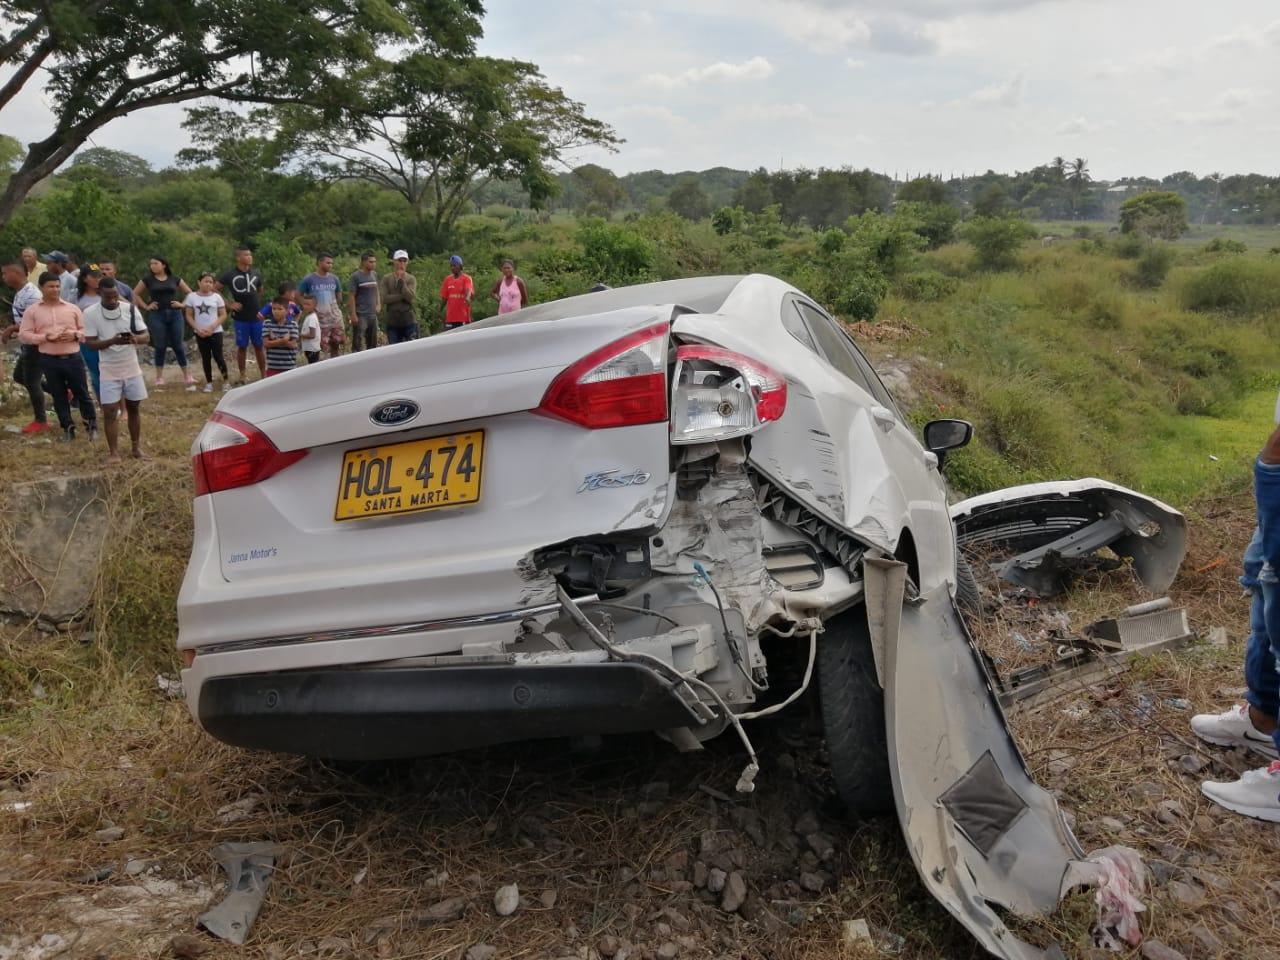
[619, 385]
[720, 394]
[229, 453]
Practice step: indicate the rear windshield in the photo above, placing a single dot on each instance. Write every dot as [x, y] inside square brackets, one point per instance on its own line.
[700, 294]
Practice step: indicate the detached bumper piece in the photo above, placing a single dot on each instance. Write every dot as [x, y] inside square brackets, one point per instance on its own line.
[410, 712]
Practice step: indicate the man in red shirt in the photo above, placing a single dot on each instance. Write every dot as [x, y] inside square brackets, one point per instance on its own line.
[456, 294]
[56, 327]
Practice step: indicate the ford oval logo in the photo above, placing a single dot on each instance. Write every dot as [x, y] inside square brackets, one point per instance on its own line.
[393, 413]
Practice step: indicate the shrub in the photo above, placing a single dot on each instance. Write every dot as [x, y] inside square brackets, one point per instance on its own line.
[859, 297]
[996, 239]
[926, 287]
[1238, 285]
[1225, 245]
[1106, 311]
[1152, 267]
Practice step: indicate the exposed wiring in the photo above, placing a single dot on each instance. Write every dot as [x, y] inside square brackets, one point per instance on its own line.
[728, 634]
[635, 609]
[746, 781]
[804, 684]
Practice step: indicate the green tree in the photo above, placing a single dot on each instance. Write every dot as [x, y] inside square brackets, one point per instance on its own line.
[111, 168]
[105, 59]
[436, 129]
[1078, 180]
[991, 202]
[600, 186]
[924, 190]
[936, 222]
[10, 153]
[995, 240]
[1157, 214]
[687, 199]
[756, 193]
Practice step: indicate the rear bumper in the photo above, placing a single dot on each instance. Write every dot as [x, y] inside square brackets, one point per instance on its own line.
[390, 713]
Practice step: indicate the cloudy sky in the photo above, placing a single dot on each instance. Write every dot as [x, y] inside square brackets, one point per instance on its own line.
[1133, 86]
[1136, 87]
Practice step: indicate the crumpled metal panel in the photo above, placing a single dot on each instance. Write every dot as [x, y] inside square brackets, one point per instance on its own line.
[722, 529]
[949, 746]
[1024, 520]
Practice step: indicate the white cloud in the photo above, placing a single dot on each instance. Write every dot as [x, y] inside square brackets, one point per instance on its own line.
[821, 29]
[757, 68]
[1239, 97]
[1074, 127]
[770, 112]
[575, 60]
[1008, 94]
[1168, 60]
[854, 64]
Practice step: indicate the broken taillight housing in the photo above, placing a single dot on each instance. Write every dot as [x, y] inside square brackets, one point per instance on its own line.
[720, 394]
[622, 384]
[230, 452]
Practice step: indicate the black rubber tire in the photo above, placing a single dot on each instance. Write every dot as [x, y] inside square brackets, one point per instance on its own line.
[968, 596]
[852, 705]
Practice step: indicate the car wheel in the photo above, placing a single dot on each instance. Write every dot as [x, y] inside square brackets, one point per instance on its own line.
[968, 596]
[852, 705]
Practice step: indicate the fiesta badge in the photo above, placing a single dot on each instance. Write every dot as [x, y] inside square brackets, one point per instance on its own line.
[393, 413]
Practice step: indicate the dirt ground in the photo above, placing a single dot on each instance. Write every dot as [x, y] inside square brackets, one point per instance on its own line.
[108, 817]
[111, 805]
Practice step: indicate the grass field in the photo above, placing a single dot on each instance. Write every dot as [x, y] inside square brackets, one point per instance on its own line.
[1065, 368]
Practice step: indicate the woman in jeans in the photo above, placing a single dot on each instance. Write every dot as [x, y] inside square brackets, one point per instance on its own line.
[165, 316]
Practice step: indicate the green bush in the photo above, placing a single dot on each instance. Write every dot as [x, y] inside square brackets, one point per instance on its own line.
[1239, 285]
[995, 240]
[926, 287]
[1225, 245]
[859, 296]
[1152, 266]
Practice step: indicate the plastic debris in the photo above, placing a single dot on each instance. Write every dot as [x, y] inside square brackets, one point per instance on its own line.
[248, 867]
[1121, 877]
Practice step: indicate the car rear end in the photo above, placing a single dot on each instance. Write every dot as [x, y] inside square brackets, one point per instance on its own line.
[381, 543]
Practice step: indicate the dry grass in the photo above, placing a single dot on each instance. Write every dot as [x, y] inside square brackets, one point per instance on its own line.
[85, 738]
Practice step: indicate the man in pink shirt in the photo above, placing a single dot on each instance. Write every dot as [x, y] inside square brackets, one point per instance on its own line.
[57, 329]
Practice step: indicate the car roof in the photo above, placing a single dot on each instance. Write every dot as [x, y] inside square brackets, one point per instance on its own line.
[699, 294]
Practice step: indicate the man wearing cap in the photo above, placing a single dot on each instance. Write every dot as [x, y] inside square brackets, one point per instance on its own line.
[55, 262]
[456, 294]
[399, 291]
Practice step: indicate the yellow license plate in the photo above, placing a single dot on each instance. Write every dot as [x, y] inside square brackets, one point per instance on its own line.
[408, 477]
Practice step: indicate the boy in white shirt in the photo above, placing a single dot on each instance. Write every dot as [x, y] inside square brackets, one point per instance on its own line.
[309, 329]
[115, 327]
[206, 313]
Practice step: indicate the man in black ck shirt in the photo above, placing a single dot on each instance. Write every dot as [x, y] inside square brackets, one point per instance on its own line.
[242, 288]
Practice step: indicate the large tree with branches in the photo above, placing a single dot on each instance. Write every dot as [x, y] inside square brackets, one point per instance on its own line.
[437, 129]
[104, 59]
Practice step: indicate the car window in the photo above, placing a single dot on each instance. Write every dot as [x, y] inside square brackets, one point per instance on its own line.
[843, 354]
[794, 325]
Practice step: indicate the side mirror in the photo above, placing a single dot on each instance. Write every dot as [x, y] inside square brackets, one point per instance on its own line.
[943, 435]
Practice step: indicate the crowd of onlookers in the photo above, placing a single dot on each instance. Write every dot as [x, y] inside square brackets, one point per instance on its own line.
[80, 326]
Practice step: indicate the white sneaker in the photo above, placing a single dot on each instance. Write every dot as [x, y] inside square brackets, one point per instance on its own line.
[225, 386]
[1256, 794]
[1233, 728]
[208, 388]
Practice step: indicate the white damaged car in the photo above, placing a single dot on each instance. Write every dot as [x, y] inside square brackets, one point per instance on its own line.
[612, 513]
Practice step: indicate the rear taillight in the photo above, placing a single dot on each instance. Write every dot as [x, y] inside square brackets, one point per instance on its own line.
[619, 385]
[230, 452]
[721, 394]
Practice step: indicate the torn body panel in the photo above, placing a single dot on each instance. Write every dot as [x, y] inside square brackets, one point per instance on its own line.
[1039, 534]
[979, 829]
